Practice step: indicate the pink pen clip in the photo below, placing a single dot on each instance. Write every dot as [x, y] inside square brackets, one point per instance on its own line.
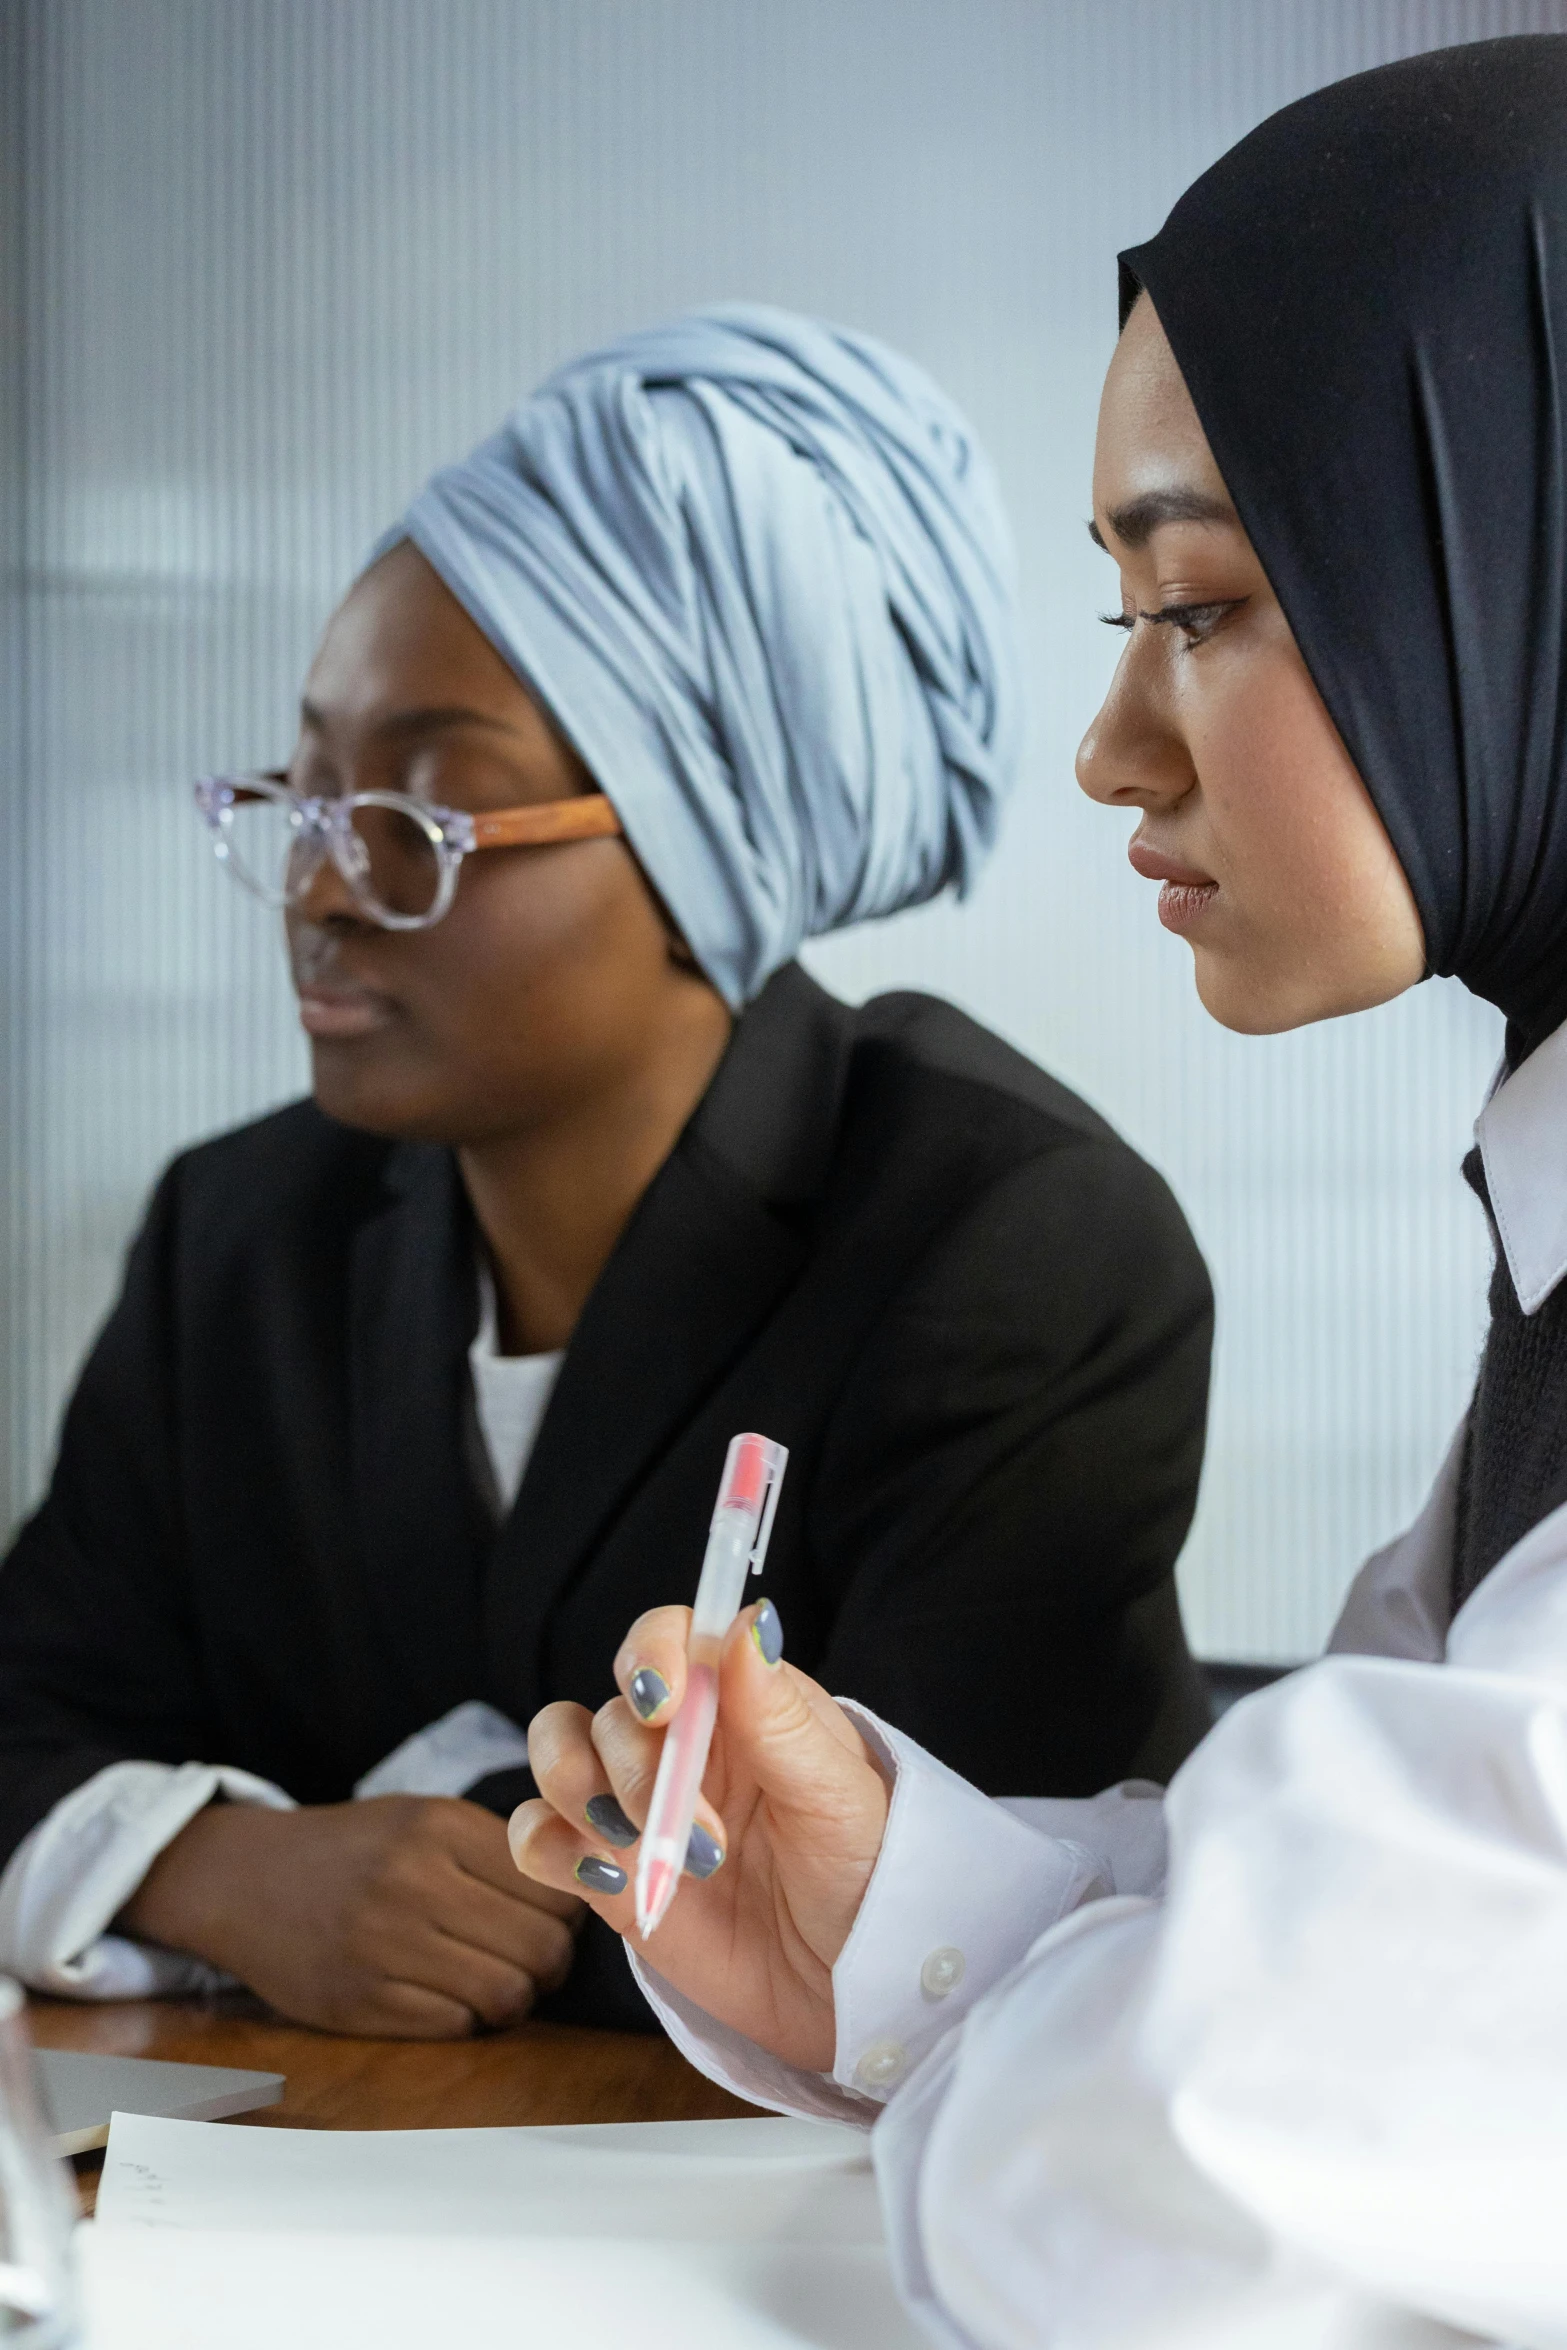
[736, 1545]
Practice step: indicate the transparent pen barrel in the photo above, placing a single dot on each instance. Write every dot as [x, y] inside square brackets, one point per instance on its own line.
[684, 1760]
[724, 1569]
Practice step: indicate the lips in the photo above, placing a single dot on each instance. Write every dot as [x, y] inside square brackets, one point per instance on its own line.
[332, 1006]
[1186, 893]
[1154, 866]
[342, 1014]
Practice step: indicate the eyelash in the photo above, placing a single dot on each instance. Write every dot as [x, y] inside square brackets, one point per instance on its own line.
[1196, 622]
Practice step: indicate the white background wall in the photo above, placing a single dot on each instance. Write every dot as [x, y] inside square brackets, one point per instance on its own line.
[275, 259]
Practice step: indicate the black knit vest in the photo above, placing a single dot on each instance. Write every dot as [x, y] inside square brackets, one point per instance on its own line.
[1514, 1470]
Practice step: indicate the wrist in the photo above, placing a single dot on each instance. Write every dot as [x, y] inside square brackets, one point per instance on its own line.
[186, 1901]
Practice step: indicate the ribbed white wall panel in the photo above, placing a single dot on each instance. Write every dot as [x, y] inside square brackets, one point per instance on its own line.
[273, 259]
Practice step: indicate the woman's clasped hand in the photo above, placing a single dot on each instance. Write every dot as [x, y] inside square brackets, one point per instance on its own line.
[795, 1802]
[399, 1916]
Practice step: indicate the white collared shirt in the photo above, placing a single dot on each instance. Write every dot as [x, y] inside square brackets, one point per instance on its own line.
[1315, 2096]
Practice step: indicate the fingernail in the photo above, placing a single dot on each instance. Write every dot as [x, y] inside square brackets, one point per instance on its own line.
[704, 1853]
[599, 1876]
[767, 1632]
[605, 1815]
[648, 1691]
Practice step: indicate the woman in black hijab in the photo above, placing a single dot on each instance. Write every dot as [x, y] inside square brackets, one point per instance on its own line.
[1368, 303]
[1322, 2084]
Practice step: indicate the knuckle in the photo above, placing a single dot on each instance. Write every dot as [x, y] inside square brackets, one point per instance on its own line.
[506, 2000]
[628, 1752]
[553, 1736]
[399, 1876]
[524, 1825]
[651, 1638]
[556, 1947]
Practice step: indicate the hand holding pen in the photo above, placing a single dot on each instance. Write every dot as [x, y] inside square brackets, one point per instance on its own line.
[793, 1807]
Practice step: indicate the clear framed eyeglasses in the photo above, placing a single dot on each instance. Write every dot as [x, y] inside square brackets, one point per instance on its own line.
[399, 856]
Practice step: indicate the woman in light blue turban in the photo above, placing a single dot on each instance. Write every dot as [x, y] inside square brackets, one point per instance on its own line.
[708, 651]
[757, 571]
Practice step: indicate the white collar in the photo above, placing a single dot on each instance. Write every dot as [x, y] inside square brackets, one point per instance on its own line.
[1522, 1133]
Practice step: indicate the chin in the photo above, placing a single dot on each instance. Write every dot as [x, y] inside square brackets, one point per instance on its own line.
[369, 1101]
[1270, 1003]
[1250, 1003]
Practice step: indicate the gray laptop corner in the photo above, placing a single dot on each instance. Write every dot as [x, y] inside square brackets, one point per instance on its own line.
[80, 2092]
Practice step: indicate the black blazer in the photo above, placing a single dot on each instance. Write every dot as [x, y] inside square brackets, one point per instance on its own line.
[975, 1316]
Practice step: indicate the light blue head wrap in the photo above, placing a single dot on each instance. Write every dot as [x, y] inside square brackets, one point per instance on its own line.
[757, 571]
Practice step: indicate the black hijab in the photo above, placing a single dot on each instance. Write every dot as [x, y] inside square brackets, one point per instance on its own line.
[1368, 300]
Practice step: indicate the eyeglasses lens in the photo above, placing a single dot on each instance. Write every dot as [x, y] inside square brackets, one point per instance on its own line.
[399, 868]
[261, 837]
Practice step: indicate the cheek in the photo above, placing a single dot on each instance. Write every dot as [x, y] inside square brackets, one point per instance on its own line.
[1290, 817]
[562, 931]
[535, 984]
[1314, 917]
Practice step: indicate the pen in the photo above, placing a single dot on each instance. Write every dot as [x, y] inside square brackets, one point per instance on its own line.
[737, 1541]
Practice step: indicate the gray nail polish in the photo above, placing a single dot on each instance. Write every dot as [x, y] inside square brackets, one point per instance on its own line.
[606, 1817]
[599, 1876]
[704, 1854]
[648, 1691]
[767, 1632]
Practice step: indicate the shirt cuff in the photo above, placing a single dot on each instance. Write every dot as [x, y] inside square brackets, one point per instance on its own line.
[962, 1888]
[450, 1756]
[75, 1871]
[1124, 1829]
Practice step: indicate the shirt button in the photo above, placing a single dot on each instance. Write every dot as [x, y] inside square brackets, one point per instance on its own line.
[882, 2064]
[942, 1972]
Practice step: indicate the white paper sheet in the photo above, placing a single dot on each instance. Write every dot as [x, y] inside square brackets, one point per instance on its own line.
[733, 2235]
[723, 2182]
[152, 2289]
[149, 2289]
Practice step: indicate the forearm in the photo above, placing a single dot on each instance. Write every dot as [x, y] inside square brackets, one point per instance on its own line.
[73, 1872]
[193, 1896]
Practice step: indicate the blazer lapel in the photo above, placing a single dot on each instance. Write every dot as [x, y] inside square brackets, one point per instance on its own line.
[715, 1243]
[421, 1526]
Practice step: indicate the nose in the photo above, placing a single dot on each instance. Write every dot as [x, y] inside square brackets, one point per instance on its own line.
[1134, 755]
[325, 899]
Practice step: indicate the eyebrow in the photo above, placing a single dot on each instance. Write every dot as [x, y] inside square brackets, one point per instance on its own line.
[413, 722]
[1135, 523]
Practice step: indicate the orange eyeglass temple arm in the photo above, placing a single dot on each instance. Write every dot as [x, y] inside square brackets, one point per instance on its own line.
[588, 817]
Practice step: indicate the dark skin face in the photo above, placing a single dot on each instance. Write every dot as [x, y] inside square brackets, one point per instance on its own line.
[552, 1027]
